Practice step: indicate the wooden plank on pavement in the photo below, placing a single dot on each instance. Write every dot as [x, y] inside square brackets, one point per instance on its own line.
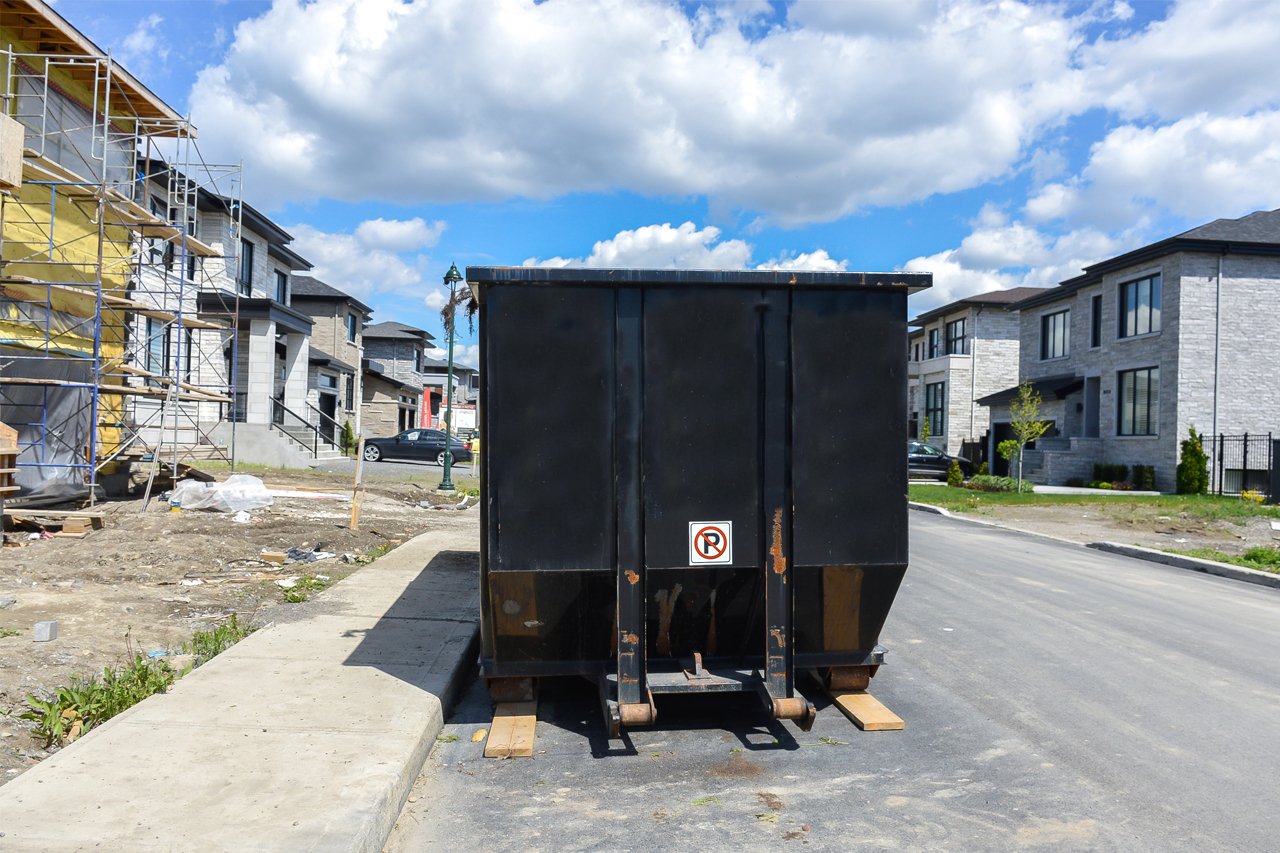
[867, 712]
[512, 732]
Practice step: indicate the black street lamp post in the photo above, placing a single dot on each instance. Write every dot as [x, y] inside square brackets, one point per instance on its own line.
[451, 279]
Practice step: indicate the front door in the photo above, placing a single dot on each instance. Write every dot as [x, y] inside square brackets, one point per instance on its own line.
[328, 423]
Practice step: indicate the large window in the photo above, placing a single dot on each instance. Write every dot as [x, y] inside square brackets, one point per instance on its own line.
[935, 403]
[351, 393]
[353, 326]
[1095, 321]
[935, 343]
[282, 287]
[1139, 401]
[1055, 335]
[155, 353]
[1140, 306]
[956, 344]
[245, 277]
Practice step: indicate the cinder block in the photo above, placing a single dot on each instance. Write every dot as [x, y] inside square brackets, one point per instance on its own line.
[46, 631]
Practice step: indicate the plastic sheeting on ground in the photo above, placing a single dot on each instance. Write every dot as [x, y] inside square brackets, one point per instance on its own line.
[238, 492]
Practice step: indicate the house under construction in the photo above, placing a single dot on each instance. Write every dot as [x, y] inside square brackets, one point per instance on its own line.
[114, 348]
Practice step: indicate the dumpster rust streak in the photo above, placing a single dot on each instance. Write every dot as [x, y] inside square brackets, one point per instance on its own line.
[778, 560]
[632, 577]
[631, 639]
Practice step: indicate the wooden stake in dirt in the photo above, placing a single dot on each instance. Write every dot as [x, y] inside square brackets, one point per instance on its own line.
[356, 491]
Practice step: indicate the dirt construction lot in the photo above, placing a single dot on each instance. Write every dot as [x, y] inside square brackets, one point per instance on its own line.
[149, 579]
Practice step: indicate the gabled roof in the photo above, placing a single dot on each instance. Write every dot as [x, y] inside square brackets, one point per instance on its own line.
[313, 288]
[444, 365]
[1258, 233]
[49, 34]
[997, 298]
[397, 331]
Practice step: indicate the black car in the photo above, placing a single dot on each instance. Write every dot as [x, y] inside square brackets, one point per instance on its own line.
[424, 444]
[925, 460]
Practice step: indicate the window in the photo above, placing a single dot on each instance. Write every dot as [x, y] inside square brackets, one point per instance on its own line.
[935, 402]
[351, 393]
[1055, 338]
[353, 326]
[245, 277]
[188, 349]
[935, 349]
[417, 360]
[956, 344]
[1140, 306]
[1095, 321]
[282, 287]
[327, 380]
[1139, 401]
[915, 352]
[155, 353]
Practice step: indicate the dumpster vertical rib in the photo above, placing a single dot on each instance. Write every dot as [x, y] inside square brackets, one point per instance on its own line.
[628, 396]
[774, 491]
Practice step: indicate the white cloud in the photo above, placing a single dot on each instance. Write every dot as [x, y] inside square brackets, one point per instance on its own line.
[878, 104]
[816, 261]
[1212, 57]
[686, 247]
[436, 298]
[399, 235]
[1199, 168]
[462, 354]
[143, 47]
[377, 257]
[661, 247]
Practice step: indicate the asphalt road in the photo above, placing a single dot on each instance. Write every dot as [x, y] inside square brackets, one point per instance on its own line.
[1055, 697]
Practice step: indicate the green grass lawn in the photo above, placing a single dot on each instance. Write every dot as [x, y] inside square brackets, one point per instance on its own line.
[1262, 558]
[1207, 507]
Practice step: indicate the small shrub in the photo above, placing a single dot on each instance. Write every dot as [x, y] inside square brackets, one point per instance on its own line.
[954, 475]
[1144, 477]
[1110, 473]
[346, 438]
[1192, 477]
[1252, 497]
[9, 632]
[1099, 484]
[987, 483]
[983, 470]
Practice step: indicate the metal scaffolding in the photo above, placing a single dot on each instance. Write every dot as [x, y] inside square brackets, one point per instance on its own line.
[117, 225]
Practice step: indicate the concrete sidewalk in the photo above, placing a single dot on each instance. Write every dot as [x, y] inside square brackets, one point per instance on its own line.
[303, 736]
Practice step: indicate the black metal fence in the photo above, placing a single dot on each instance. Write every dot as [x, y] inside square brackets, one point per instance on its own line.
[1239, 462]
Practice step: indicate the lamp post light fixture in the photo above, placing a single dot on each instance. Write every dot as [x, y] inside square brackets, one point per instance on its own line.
[451, 279]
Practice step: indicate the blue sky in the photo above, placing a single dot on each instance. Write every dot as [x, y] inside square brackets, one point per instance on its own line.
[993, 144]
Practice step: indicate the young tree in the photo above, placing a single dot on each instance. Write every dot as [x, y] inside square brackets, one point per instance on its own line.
[924, 431]
[347, 438]
[1025, 421]
[1193, 467]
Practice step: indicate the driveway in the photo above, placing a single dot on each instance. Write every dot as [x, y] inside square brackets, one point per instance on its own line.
[1055, 698]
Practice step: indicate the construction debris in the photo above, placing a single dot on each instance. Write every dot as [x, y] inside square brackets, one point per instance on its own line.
[45, 631]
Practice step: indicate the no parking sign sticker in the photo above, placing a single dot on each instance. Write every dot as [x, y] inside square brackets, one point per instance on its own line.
[710, 542]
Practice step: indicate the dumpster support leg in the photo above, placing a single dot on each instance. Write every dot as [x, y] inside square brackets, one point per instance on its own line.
[635, 704]
[779, 684]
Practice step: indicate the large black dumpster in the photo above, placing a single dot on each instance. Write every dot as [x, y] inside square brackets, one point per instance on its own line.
[692, 481]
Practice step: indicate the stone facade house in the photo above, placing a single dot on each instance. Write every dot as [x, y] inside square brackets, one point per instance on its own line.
[335, 383]
[956, 354]
[1141, 347]
[395, 363]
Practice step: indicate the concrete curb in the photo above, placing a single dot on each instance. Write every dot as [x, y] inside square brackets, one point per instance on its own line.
[1195, 564]
[930, 508]
[306, 735]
